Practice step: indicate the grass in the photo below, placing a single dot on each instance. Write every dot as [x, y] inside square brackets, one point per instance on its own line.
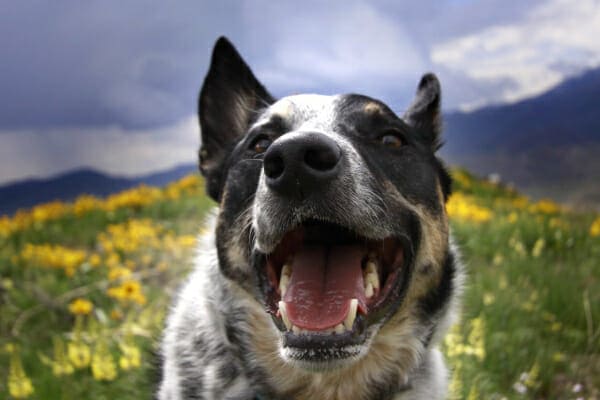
[531, 317]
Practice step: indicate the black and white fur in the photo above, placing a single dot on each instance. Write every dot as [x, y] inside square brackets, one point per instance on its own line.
[219, 342]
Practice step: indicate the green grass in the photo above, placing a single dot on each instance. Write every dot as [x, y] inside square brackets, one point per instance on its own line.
[531, 316]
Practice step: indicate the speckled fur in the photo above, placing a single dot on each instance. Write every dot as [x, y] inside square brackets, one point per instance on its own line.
[219, 343]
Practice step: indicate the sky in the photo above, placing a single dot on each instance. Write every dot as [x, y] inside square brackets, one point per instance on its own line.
[113, 85]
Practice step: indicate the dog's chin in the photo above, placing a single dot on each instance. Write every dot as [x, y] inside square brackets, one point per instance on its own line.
[319, 353]
[329, 289]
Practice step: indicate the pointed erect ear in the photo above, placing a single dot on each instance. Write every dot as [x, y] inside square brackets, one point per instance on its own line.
[229, 100]
[424, 112]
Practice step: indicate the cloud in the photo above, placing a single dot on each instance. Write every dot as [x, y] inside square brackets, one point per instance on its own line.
[555, 40]
[333, 47]
[111, 149]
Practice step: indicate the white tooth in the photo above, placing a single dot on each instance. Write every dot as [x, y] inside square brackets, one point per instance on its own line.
[371, 267]
[371, 274]
[369, 290]
[349, 321]
[339, 329]
[284, 317]
[286, 270]
[296, 330]
[283, 284]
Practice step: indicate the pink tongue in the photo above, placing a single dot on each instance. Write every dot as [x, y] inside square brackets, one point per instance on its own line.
[323, 281]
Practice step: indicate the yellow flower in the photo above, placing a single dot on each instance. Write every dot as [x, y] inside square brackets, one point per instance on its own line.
[128, 291]
[19, 385]
[456, 385]
[463, 207]
[79, 354]
[538, 247]
[103, 364]
[513, 217]
[488, 298]
[115, 274]
[476, 338]
[595, 228]
[95, 260]
[53, 256]
[80, 307]
[131, 357]
[545, 206]
[60, 364]
[474, 393]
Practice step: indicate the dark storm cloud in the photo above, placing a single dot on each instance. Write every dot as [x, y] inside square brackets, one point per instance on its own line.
[73, 63]
[139, 64]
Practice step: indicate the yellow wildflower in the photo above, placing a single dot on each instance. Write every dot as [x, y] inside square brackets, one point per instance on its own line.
[53, 256]
[103, 364]
[95, 260]
[463, 207]
[474, 393]
[60, 364]
[532, 376]
[79, 354]
[595, 228]
[118, 273]
[116, 315]
[19, 384]
[130, 357]
[128, 291]
[80, 307]
[456, 385]
[476, 338]
[538, 247]
[488, 298]
[513, 217]
[545, 206]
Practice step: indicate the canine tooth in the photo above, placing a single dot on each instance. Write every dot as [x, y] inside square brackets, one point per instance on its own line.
[283, 284]
[339, 329]
[284, 317]
[369, 290]
[371, 275]
[371, 267]
[286, 270]
[349, 321]
[296, 330]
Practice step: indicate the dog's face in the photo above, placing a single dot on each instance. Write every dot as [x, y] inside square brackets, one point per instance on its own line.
[331, 209]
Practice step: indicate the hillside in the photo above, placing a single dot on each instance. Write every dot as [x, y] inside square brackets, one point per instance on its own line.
[68, 186]
[546, 145]
[85, 286]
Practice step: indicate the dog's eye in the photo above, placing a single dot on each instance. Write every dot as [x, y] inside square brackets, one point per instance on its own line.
[390, 140]
[261, 145]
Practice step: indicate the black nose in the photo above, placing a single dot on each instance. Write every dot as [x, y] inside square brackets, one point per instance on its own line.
[299, 165]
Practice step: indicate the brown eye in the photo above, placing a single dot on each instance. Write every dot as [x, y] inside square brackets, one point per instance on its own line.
[261, 145]
[391, 140]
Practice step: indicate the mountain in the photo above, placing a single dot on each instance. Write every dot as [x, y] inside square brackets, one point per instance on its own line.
[547, 146]
[68, 186]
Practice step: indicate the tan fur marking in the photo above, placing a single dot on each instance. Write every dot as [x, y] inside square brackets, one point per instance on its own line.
[373, 108]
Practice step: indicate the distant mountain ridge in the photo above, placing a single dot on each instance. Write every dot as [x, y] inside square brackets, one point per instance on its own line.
[68, 186]
[547, 145]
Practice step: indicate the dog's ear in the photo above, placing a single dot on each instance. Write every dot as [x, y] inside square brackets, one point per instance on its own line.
[229, 100]
[424, 113]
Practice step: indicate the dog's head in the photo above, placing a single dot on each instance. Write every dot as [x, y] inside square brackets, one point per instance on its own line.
[331, 209]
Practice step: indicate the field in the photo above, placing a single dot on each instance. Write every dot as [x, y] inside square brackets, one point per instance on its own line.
[84, 288]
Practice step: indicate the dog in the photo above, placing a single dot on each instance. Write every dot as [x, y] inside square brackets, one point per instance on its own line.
[330, 272]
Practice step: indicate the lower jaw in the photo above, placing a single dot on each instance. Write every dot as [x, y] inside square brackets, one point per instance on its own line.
[320, 353]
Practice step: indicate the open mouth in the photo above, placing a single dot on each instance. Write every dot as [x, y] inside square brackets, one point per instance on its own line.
[325, 284]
